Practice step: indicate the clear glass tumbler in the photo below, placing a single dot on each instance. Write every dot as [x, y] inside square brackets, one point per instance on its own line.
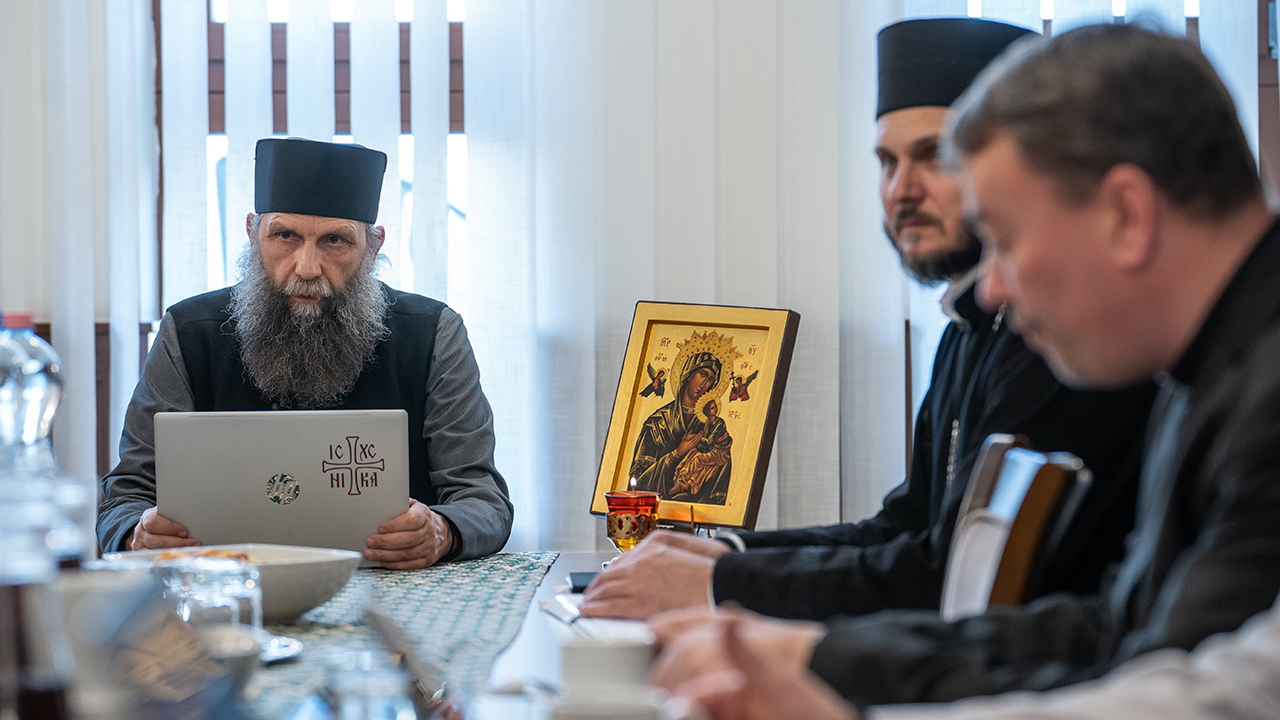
[213, 590]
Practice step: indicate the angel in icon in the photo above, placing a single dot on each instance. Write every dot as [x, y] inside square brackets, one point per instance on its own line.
[657, 382]
[739, 389]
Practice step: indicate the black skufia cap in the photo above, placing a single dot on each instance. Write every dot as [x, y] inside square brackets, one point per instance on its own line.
[931, 62]
[318, 178]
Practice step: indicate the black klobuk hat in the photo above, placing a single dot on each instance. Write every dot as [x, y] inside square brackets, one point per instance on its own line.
[933, 61]
[306, 177]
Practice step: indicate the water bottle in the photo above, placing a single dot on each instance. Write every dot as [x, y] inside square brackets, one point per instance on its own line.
[38, 393]
[41, 391]
[24, 525]
[13, 359]
[35, 660]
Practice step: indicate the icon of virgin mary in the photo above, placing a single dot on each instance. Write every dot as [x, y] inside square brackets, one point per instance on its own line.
[683, 452]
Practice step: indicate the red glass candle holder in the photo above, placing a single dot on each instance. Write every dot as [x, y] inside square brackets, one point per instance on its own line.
[632, 515]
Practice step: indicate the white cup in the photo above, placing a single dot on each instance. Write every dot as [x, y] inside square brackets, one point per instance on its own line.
[591, 664]
[631, 703]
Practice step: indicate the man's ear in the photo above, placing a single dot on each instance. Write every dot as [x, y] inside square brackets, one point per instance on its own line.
[379, 236]
[1133, 202]
[248, 224]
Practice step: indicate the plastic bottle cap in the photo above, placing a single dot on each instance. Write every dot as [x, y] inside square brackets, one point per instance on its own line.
[16, 320]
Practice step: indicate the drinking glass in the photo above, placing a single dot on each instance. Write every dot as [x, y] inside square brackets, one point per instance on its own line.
[221, 599]
[363, 685]
[213, 591]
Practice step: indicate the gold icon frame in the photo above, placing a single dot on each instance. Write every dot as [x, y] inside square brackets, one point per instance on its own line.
[763, 340]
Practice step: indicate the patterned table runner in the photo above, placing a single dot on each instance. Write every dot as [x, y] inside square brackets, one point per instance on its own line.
[460, 616]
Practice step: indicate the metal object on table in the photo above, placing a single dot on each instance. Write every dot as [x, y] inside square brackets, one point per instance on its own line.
[278, 647]
[428, 680]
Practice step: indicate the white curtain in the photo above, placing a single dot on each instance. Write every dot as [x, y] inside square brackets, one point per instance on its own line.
[23, 273]
[375, 118]
[500, 305]
[697, 151]
[1229, 38]
[309, 72]
[74, 200]
[248, 118]
[1074, 13]
[429, 111]
[1169, 14]
[77, 169]
[133, 161]
[1015, 12]
[677, 150]
[674, 151]
[188, 252]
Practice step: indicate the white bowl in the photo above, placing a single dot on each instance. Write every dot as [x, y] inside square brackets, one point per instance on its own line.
[294, 579]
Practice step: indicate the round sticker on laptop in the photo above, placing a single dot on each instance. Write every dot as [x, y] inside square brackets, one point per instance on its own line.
[282, 489]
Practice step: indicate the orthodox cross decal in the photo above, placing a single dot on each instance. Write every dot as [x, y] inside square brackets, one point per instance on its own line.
[354, 466]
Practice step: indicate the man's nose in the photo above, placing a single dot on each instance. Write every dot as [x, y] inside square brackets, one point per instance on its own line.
[307, 262]
[905, 185]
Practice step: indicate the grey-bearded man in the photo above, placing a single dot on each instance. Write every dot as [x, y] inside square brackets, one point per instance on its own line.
[308, 327]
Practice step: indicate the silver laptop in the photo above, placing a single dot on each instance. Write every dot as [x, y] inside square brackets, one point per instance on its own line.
[324, 478]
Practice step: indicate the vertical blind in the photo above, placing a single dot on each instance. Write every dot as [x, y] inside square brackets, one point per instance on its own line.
[78, 154]
[678, 150]
[687, 150]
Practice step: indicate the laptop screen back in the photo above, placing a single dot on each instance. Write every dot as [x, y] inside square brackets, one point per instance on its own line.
[324, 478]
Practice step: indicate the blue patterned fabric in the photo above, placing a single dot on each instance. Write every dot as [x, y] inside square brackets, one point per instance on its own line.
[459, 615]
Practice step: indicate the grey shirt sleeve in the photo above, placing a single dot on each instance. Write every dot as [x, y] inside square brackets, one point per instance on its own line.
[130, 488]
[458, 428]
[459, 433]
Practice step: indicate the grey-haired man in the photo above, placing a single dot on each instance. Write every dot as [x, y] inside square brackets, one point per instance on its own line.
[308, 326]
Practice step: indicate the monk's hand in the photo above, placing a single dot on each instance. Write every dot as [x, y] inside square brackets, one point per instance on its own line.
[694, 644]
[759, 686]
[411, 541]
[684, 541]
[660, 573]
[155, 531]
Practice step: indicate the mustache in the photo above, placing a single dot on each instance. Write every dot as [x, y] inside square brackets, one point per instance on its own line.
[913, 213]
[315, 287]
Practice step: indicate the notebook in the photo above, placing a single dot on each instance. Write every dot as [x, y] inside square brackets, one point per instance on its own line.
[324, 478]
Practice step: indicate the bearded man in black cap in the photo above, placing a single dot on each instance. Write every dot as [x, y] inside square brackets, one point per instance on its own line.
[309, 327]
[984, 381]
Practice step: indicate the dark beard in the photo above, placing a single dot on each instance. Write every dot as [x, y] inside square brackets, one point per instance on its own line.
[940, 268]
[306, 357]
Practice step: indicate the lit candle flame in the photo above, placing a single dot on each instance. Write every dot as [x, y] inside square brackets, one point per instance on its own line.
[633, 484]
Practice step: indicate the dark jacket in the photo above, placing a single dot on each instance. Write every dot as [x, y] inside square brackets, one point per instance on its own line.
[1203, 558]
[985, 380]
[401, 363]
